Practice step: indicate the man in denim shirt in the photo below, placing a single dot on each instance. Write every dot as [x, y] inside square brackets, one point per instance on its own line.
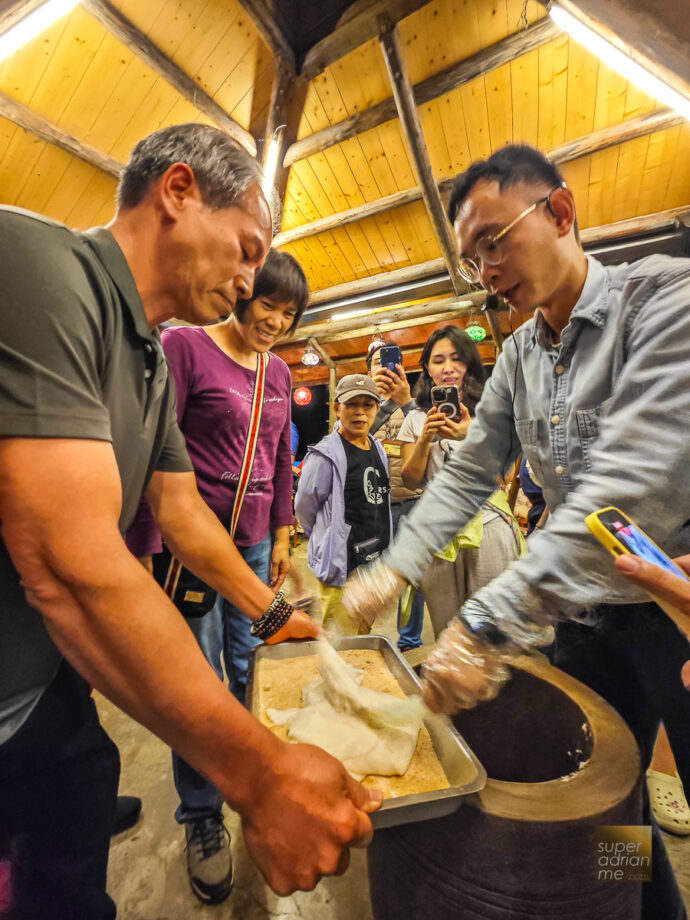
[594, 391]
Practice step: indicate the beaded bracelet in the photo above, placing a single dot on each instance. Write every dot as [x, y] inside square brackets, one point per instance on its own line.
[274, 619]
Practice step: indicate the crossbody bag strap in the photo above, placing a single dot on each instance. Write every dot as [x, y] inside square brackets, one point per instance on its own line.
[252, 439]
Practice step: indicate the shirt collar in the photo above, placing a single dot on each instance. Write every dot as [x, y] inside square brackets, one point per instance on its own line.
[592, 305]
[113, 259]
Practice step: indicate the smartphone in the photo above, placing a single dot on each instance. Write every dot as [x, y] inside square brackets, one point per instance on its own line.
[620, 535]
[446, 400]
[390, 356]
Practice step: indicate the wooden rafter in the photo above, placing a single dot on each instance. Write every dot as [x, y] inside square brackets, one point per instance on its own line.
[452, 77]
[353, 32]
[126, 32]
[572, 150]
[591, 236]
[407, 275]
[390, 318]
[273, 32]
[318, 348]
[414, 140]
[288, 95]
[21, 115]
[14, 10]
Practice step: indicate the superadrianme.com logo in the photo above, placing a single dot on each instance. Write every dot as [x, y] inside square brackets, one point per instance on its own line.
[623, 853]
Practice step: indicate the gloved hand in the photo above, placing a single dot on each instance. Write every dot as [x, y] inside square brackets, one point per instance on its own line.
[370, 588]
[462, 671]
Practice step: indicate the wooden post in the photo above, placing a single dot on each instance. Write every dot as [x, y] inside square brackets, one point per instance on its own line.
[332, 383]
[412, 129]
[287, 103]
[490, 310]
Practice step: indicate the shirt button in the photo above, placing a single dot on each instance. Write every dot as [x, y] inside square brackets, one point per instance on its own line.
[555, 419]
[560, 470]
[559, 369]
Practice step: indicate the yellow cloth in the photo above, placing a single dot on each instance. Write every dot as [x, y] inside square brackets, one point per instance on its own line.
[335, 613]
[470, 537]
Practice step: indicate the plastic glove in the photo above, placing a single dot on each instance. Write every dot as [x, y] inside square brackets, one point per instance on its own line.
[369, 589]
[462, 671]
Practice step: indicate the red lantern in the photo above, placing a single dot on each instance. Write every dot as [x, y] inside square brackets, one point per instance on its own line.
[302, 396]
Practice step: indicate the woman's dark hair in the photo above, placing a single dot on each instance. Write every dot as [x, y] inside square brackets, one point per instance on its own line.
[281, 280]
[472, 385]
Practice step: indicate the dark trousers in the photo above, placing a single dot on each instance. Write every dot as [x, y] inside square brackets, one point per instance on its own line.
[632, 657]
[58, 789]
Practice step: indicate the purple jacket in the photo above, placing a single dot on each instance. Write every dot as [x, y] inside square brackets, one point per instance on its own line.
[320, 507]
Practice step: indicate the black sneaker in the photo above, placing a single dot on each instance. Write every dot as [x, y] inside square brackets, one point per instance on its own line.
[209, 860]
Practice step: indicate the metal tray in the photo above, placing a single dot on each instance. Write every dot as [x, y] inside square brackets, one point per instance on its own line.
[464, 772]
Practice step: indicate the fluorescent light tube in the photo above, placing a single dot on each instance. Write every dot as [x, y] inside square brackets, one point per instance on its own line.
[33, 24]
[619, 61]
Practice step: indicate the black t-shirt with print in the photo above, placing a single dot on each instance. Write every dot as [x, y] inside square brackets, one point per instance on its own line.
[366, 498]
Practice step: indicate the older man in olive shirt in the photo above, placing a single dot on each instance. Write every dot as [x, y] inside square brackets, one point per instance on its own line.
[86, 424]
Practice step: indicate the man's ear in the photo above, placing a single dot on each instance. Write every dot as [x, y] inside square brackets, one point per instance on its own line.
[175, 188]
[562, 207]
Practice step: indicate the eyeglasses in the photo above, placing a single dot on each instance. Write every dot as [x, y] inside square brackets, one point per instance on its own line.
[489, 249]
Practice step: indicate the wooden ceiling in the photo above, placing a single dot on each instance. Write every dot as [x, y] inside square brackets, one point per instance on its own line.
[361, 185]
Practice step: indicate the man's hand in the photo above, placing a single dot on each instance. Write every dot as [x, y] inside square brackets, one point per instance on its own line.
[461, 671]
[393, 385]
[306, 814]
[370, 588]
[299, 626]
[455, 429]
[670, 590]
[280, 557]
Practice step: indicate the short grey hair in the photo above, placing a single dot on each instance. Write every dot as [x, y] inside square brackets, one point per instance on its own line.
[223, 169]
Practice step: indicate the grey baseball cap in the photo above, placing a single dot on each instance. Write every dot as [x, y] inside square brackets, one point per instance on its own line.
[356, 385]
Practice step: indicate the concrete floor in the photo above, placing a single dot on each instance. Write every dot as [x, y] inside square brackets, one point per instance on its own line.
[147, 874]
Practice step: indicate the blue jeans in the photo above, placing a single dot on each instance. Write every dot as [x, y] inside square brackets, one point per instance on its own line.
[224, 629]
[410, 635]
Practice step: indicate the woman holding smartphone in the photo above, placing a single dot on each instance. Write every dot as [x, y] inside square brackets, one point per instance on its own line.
[492, 540]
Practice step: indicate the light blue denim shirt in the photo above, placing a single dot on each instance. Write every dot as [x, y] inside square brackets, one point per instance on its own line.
[603, 418]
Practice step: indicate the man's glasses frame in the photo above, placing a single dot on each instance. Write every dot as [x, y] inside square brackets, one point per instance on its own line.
[487, 249]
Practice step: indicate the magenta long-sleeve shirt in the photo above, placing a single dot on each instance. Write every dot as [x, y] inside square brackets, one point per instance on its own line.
[214, 400]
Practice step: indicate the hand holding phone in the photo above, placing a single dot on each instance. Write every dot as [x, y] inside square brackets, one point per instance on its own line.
[669, 587]
[390, 356]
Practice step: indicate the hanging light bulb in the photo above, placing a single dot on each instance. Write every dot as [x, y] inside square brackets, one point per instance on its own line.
[377, 340]
[310, 356]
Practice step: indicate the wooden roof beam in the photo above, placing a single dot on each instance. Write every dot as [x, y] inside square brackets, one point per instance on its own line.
[572, 150]
[534, 36]
[23, 117]
[318, 348]
[130, 36]
[288, 95]
[272, 32]
[408, 275]
[414, 139]
[388, 319]
[353, 32]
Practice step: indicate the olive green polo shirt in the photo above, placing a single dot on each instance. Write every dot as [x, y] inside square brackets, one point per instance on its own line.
[77, 360]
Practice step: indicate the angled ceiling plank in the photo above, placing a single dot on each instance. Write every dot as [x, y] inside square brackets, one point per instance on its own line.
[126, 32]
[21, 115]
[536, 35]
[572, 150]
[268, 27]
[357, 30]
[414, 139]
[325, 357]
